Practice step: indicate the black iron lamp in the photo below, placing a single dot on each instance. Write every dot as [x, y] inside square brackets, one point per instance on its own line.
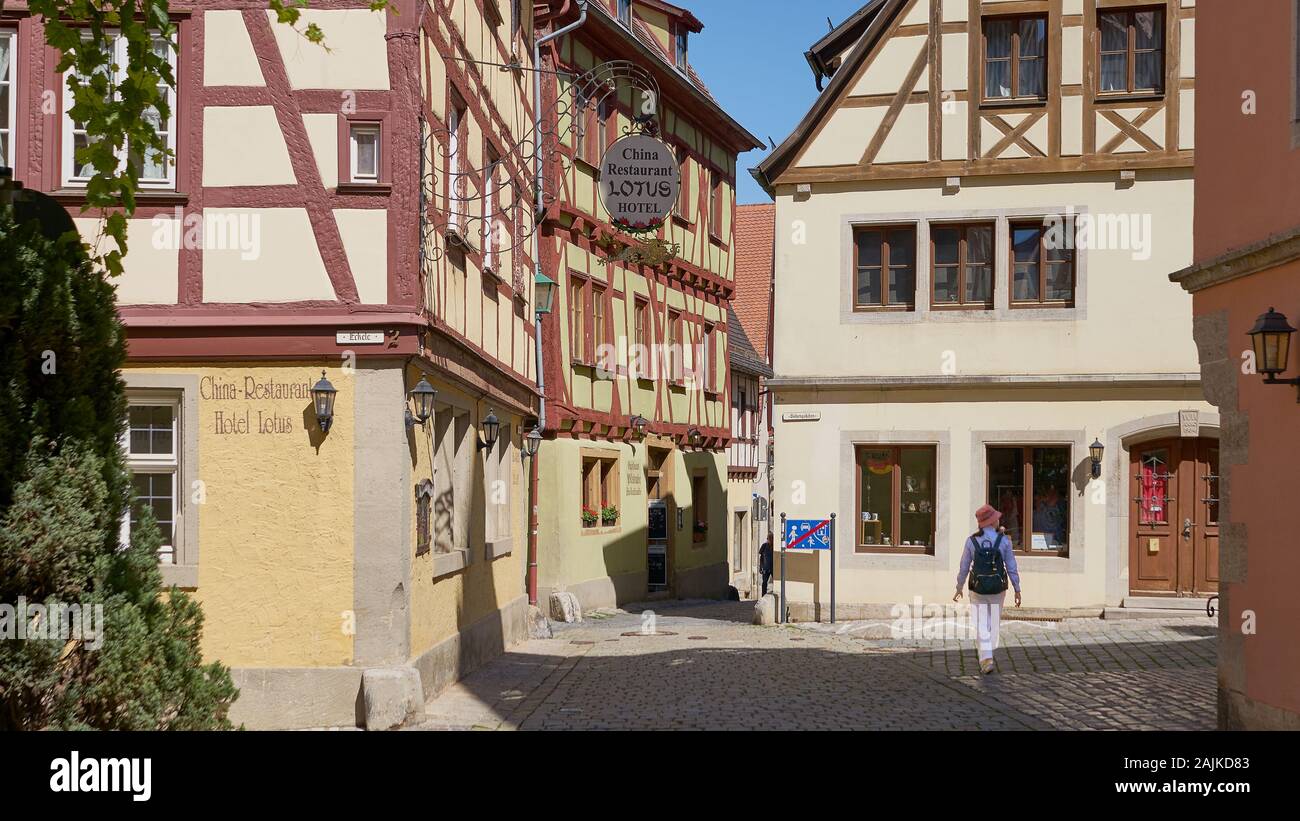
[695, 436]
[491, 430]
[638, 424]
[322, 397]
[532, 443]
[1095, 450]
[1271, 339]
[422, 396]
[544, 293]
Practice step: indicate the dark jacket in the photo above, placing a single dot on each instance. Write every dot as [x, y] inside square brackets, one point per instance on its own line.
[765, 558]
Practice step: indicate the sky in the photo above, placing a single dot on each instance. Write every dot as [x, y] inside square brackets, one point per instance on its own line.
[750, 55]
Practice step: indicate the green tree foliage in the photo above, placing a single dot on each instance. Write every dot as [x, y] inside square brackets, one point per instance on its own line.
[63, 492]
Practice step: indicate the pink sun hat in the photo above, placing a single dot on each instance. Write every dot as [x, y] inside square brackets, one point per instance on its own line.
[987, 516]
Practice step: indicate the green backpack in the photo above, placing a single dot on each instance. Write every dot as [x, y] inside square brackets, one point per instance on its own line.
[988, 574]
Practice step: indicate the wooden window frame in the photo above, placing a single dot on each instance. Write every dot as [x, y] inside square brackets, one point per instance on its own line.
[681, 40]
[423, 517]
[715, 206]
[699, 537]
[457, 135]
[600, 309]
[885, 268]
[623, 12]
[1043, 262]
[962, 263]
[682, 210]
[1131, 53]
[1027, 509]
[601, 482]
[579, 313]
[674, 349]
[1015, 99]
[896, 502]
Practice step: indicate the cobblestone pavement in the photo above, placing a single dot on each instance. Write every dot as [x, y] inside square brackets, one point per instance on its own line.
[707, 668]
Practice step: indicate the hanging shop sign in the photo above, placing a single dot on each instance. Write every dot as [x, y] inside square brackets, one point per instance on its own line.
[639, 182]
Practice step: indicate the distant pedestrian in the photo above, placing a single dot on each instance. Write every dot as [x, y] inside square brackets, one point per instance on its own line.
[990, 561]
[765, 563]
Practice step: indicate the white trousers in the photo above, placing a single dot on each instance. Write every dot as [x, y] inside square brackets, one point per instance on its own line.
[986, 614]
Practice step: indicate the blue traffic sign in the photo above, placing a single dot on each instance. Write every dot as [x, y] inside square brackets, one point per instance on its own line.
[808, 534]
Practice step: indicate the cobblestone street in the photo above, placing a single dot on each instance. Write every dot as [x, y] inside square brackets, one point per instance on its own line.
[708, 668]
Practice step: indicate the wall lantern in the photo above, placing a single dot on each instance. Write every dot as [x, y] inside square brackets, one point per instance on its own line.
[422, 396]
[322, 397]
[694, 435]
[1095, 450]
[638, 424]
[1271, 339]
[491, 430]
[544, 293]
[532, 443]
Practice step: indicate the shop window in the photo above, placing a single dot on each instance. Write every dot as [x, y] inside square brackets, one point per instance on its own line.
[1131, 51]
[896, 499]
[885, 269]
[1030, 485]
[1015, 59]
[1042, 274]
[962, 266]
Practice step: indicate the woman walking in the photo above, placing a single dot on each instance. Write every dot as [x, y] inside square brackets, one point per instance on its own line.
[989, 560]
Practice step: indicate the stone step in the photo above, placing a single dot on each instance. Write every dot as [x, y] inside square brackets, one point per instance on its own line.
[1165, 603]
[1115, 613]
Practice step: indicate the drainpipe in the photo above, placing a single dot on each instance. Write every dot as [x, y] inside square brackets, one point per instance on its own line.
[539, 209]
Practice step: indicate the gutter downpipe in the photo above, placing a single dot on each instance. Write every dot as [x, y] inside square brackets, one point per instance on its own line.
[540, 209]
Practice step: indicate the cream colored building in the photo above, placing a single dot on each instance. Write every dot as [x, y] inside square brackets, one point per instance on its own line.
[940, 340]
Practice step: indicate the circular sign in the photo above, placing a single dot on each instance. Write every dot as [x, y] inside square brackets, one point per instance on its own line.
[639, 181]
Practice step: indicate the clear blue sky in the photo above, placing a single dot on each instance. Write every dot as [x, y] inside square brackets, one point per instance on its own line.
[750, 55]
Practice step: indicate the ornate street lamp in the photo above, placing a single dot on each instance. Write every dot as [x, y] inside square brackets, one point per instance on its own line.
[638, 424]
[1095, 450]
[544, 297]
[422, 396]
[695, 436]
[532, 442]
[1271, 339]
[322, 398]
[491, 430]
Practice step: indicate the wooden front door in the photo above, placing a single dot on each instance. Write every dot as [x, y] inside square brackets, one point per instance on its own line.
[1174, 517]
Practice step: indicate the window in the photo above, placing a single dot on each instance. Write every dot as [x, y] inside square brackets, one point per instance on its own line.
[1040, 273]
[896, 499]
[600, 498]
[599, 329]
[700, 508]
[496, 473]
[715, 205]
[885, 271]
[682, 37]
[423, 513]
[490, 206]
[1015, 58]
[625, 12]
[577, 319]
[674, 349]
[684, 192]
[640, 354]
[642, 329]
[1032, 485]
[8, 96]
[707, 361]
[364, 138]
[962, 257]
[601, 129]
[153, 460]
[155, 171]
[1132, 51]
[455, 180]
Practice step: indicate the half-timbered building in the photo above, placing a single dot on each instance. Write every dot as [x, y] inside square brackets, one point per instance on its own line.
[634, 467]
[321, 217]
[974, 223]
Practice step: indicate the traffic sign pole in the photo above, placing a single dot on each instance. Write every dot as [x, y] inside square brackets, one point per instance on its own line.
[780, 613]
[832, 568]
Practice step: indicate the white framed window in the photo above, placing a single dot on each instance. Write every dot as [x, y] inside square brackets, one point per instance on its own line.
[152, 446]
[8, 94]
[682, 39]
[625, 12]
[365, 148]
[155, 171]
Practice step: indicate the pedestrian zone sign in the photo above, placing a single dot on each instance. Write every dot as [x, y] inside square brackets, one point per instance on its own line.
[808, 534]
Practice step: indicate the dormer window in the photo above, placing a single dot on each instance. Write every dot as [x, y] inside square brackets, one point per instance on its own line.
[682, 35]
[625, 12]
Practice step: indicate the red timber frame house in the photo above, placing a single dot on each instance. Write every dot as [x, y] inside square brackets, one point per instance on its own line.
[323, 217]
[636, 372]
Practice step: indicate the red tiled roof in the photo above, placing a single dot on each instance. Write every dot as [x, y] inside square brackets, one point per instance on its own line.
[755, 239]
